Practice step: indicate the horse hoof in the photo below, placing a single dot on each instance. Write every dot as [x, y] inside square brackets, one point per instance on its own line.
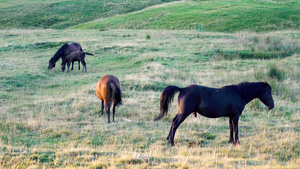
[237, 142]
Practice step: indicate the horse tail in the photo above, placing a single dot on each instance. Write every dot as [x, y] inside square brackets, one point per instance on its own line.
[115, 93]
[87, 53]
[166, 98]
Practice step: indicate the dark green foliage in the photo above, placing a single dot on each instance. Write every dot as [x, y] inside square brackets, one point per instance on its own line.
[276, 73]
[246, 54]
[148, 36]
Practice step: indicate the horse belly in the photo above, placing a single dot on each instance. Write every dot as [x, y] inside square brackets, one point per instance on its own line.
[212, 111]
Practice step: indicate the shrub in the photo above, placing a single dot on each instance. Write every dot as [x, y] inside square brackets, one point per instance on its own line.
[276, 73]
[148, 36]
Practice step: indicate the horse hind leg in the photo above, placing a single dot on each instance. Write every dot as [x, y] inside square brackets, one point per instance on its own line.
[171, 129]
[84, 65]
[114, 110]
[107, 110]
[179, 119]
[102, 107]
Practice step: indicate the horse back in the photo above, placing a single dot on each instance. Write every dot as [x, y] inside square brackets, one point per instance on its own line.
[75, 56]
[72, 47]
[209, 102]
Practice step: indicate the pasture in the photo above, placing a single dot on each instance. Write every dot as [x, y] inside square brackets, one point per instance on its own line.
[51, 119]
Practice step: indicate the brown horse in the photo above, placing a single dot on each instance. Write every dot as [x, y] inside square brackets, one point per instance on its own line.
[228, 101]
[108, 91]
[72, 57]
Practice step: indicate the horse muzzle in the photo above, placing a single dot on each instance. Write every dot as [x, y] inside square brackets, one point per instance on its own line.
[270, 107]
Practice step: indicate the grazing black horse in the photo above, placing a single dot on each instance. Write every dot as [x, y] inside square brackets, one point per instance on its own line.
[63, 52]
[228, 101]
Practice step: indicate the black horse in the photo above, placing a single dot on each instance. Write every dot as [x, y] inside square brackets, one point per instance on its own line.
[63, 52]
[228, 101]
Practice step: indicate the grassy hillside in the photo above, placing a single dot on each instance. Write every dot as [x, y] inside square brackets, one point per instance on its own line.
[205, 15]
[60, 14]
[51, 119]
[209, 15]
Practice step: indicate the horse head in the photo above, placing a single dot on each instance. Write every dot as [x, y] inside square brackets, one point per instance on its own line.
[266, 96]
[51, 64]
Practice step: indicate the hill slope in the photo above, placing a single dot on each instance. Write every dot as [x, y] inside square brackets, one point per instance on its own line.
[60, 14]
[215, 15]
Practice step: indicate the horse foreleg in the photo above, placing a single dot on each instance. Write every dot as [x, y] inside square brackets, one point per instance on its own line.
[78, 65]
[72, 65]
[231, 130]
[63, 66]
[236, 129]
[68, 67]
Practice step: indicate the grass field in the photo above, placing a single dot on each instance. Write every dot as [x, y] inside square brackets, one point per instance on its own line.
[50, 119]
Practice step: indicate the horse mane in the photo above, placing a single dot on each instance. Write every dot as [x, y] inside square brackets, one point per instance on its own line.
[58, 53]
[248, 90]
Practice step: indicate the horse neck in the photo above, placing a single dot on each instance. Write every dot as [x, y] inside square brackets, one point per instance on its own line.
[59, 53]
[249, 91]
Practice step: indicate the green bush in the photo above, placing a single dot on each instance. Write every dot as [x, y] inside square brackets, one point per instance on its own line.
[276, 73]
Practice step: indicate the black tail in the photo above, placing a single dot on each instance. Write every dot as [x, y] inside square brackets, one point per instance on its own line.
[87, 53]
[115, 93]
[166, 98]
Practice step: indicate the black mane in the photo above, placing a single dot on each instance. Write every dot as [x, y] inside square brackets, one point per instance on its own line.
[249, 90]
[58, 54]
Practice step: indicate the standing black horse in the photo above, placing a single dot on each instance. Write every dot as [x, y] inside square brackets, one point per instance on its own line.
[228, 101]
[63, 52]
